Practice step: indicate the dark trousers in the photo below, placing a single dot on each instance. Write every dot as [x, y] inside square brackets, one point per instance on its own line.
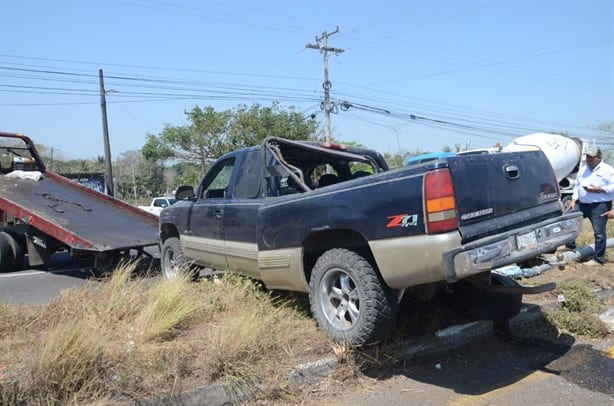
[594, 211]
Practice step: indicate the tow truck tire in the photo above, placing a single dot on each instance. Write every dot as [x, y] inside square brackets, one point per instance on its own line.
[17, 243]
[173, 261]
[479, 304]
[7, 258]
[349, 299]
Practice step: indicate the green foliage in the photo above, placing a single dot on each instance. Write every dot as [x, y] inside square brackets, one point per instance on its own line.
[577, 314]
[251, 125]
[394, 161]
[191, 148]
[138, 179]
[189, 173]
[210, 133]
[397, 160]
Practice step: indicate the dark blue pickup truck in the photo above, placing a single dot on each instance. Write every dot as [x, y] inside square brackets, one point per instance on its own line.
[334, 221]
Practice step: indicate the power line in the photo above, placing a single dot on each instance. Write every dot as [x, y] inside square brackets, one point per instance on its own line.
[435, 114]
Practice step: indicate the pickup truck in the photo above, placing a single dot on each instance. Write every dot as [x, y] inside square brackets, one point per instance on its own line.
[157, 204]
[334, 221]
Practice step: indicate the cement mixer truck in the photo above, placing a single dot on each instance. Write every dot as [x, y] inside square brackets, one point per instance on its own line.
[566, 155]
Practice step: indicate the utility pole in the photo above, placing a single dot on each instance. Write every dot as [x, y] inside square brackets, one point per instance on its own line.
[321, 44]
[108, 174]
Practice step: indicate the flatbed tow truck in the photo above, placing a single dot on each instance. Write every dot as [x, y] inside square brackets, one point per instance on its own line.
[42, 213]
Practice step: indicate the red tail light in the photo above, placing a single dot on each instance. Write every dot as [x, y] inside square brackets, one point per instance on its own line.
[439, 202]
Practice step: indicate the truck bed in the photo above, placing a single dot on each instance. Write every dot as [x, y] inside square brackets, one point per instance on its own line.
[76, 215]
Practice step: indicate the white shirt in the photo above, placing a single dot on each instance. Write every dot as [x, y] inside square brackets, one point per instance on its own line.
[603, 176]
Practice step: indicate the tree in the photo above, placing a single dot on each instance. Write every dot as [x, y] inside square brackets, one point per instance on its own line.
[251, 125]
[395, 160]
[210, 133]
[137, 178]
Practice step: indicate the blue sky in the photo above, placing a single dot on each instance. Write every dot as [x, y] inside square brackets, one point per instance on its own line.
[468, 72]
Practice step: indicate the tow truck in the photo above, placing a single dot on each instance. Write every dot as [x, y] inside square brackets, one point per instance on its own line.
[42, 213]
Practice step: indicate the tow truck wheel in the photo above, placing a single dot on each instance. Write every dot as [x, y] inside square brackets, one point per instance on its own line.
[17, 243]
[349, 300]
[173, 261]
[7, 258]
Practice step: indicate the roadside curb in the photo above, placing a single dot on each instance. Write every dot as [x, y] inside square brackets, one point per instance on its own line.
[460, 334]
[313, 372]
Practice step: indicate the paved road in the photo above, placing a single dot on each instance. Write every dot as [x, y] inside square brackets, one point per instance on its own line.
[39, 286]
[499, 371]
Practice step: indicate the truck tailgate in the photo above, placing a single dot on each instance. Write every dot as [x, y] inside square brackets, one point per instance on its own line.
[497, 189]
[76, 215]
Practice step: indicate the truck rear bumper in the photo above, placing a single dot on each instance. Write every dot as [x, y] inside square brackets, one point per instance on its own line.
[513, 246]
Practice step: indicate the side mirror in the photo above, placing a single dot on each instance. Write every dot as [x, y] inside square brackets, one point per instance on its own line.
[184, 193]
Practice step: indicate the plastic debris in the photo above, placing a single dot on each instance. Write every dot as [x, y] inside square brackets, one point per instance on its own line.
[516, 272]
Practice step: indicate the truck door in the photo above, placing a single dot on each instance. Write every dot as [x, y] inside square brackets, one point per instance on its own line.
[240, 215]
[205, 239]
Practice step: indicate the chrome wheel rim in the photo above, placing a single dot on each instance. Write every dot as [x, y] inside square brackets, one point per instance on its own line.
[339, 299]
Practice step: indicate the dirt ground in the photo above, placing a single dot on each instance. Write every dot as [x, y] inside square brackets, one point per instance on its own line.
[594, 278]
[338, 388]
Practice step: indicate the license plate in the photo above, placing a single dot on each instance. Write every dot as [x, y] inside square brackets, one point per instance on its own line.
[527, 240]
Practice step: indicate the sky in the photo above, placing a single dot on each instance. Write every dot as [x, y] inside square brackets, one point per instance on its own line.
[413, 75]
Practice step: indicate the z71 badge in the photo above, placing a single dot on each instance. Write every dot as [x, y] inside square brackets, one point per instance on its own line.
[403, 220]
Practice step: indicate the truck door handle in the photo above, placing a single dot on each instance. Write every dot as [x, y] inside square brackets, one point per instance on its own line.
[217, 213]
[511, 172]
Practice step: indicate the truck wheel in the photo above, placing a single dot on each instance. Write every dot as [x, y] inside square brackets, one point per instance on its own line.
[173, 261]
[349, 300]
[7, 258]
[17, 242]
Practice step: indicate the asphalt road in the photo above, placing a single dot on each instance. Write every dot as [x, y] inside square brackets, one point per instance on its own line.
[499, 371]
[39, 286]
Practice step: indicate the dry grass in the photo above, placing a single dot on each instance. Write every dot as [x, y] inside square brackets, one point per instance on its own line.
[131, 338]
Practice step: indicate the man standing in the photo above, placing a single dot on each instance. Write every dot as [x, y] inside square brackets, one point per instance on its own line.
[593, 195]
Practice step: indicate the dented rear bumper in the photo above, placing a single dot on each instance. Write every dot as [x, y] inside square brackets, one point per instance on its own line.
[510, 247]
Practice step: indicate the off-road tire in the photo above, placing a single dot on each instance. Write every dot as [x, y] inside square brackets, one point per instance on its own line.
[173, 263]
[480, 304]
[349, 299]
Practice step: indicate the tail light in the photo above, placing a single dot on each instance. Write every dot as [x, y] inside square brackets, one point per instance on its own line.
[439, 202]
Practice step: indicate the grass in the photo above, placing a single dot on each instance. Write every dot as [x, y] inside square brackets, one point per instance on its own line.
[578, 312]
[133, 338]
